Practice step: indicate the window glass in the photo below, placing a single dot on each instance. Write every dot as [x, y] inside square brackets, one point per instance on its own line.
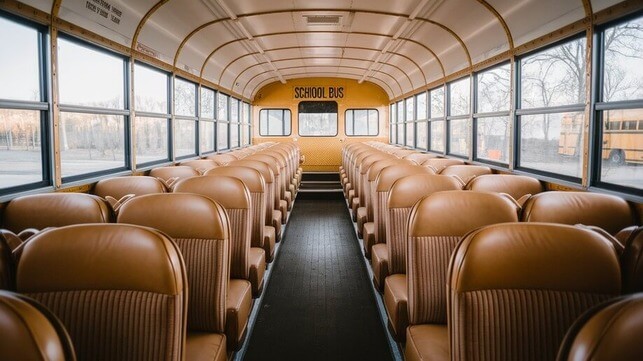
[493, 139]
[437, 102]
[234, 110]
[622, 149]
[20, 147]
[362, 122]
[400, 134]
[400, 111]
[207, 103]
[409, 134]
[421, 134]
[184, 137]
[317, 118]
[421, 105]
[222, 107]
[437, 135]
[206, 136]
[623, 70]
[392, 114]
[234, 135]
[494, 89]
[552, 142]
[150, 90]
[90, 143]
[89, 77]
[222, 135]
[19, 62]
[184, 98]
[151, 139]
[554, 77]
[459, 137]
[274, 122]
[245, 113]
[410, 115]
[393, 134]
[459, 97]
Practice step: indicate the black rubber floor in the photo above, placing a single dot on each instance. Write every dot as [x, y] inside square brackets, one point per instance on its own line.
[319, 304]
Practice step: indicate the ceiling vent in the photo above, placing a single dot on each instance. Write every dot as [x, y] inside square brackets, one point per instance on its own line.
[327, 20]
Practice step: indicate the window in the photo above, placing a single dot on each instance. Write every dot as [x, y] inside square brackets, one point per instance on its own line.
[222, 122]
[246, 136]
[24, 156]
[361, 122]
[392, 125]
[317, 119]
[206, 121]
[493, 97]
[409, 118]
[234, 123]
[185, 120]
[152, 122]
[274, 122]
[551, 110]
[93, 114]
[458, 117]
[400, 123]
[620, 156]
[437, 120]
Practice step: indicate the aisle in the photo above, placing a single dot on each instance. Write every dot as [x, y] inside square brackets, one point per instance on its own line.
[319, 304]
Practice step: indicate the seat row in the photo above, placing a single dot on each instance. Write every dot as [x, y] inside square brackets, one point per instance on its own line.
[222, 221]
[415, 213]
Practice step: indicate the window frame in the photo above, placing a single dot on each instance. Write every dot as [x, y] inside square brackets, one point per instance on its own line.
[423, 120]
[195, 118]
[318, 136]
[367, 122]
[222, 121]
[468, 118]
[203, 120]
[433, 119]
[283, 126]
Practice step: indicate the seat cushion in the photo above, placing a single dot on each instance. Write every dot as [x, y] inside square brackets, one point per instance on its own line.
[283, 208]
[257, 263]
[202, 346]
[293, 191]
[427, 342]
[362, 217]
[269, 239]
[368, 237]
[276, 224]
[238, 305]
[288, 197]
[395, 301]
[354, 207]
[379, 264]
[351, 196]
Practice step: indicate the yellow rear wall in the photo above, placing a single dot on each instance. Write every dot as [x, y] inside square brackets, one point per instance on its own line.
[323, 154]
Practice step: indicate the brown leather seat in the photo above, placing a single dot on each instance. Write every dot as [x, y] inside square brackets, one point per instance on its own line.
[516, 288]
[11, 239]
[7, 266]
[285, 179]
[632, 262]
[438, 164]
[609, 331]
[517, 186]
[436, 225]
[115, 189]
[169, 175]
[383, 183]
[201, 165]
[119, 290]
[222, 159]
[365, 189]
[30, 332]
[246, 262]
[465, 173]
[272, 224]
[40, 211]
[280, 203]
[608, 212]
[420, 158]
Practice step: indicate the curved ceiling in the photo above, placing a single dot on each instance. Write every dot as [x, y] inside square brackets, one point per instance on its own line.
[402, 45]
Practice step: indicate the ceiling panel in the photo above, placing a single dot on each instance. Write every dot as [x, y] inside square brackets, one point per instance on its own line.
[530, 19]
[269, 23]
[322, 39]
[376, 23]
[598, 5]
[278, 41]
[201, 44]
[367, 41]
[42, 5]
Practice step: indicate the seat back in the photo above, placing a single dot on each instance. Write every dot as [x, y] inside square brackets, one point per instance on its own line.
[30, 332]
[632, 262]
[234, 196]
[362, 174]
[222, 159]
[169, 175]
[253, 180]
[515, 289]
[608, 212]
[465, 172]
[609, 331]
[517, 186]
[438, 164]
[201, 165]
[271, 161]
[373, 172]
[436, 225]
[204, 245]
[420, 158]
[7, 266]
[403, 195]
[383, 183]
[54, 210]
[269, 179]
[118, 187]
[119, 290]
